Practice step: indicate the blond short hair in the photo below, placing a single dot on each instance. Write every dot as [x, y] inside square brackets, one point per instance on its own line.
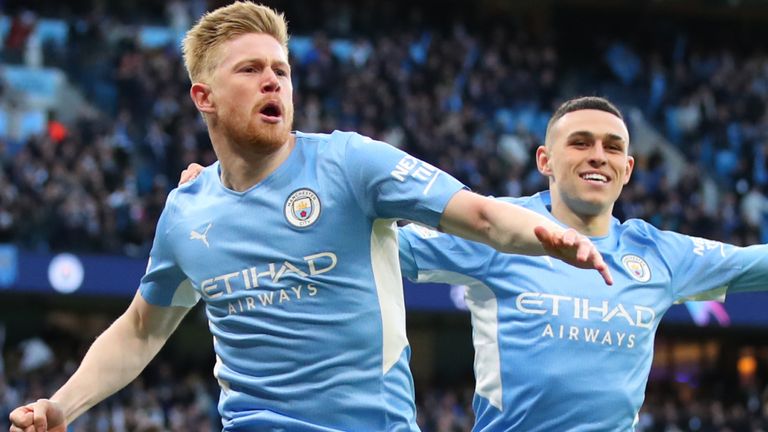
[202, 42]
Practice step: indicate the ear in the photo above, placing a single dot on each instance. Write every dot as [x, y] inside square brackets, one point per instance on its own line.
[542, 161]
[201, 95]
[630, 167]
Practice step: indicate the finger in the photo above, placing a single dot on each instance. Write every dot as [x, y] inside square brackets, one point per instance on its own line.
[602, 267]
[605, 272]
[571, 237]
[184, 177]
[195, 169]
[543, 235]
[584, 250]
[41, 419]
[550, 241]
[22, 416]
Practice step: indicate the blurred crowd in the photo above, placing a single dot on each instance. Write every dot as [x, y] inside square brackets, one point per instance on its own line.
[183, 396]
[178, 399]
[473, 103]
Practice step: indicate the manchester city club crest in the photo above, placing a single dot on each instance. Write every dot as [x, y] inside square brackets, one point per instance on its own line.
[637, 268]
[302, 208]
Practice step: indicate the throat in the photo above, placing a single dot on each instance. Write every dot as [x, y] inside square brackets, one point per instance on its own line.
[241, 170]
[584, 220]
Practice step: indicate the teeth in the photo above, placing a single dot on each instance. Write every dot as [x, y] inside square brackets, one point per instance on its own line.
[596, 177]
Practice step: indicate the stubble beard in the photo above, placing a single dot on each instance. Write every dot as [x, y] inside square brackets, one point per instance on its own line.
[257, 136]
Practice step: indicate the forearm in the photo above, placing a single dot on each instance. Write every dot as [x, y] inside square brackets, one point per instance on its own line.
[511, 228]
[116, 358]
[503, 226]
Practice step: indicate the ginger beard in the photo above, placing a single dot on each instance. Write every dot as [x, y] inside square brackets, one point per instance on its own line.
[253, 132]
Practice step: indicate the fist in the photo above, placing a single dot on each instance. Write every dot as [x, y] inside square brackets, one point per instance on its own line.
[41, 416]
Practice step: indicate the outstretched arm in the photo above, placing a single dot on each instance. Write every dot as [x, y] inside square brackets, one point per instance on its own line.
[505, 227]
[753, 263]
[115, 359]
[514, 229]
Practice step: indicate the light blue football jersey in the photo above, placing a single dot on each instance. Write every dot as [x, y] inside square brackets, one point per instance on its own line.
[301, 283]
[556, 349]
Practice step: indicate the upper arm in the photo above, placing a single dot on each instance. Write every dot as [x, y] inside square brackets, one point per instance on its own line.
[165, 283]
[389, 183]
[154, 322]
[753, 269]
[701, 269]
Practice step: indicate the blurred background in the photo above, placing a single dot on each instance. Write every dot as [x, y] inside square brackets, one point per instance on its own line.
[96, 124]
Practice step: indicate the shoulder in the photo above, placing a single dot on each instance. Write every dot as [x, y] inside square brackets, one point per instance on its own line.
[336, 137]
[200, 183]
[305, 137]
[641, 228]
[335, 144]
[190, 193]
[353, 140]
[665, 243]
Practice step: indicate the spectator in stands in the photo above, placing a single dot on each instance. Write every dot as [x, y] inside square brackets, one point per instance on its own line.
[22, 26]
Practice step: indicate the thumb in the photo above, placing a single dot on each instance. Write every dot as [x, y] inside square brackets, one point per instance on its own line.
[544, 236]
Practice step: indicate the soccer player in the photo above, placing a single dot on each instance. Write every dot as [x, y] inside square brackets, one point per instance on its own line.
[291, 242]
[556, 349]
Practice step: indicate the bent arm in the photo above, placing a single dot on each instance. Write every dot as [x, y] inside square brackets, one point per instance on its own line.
[118, 355]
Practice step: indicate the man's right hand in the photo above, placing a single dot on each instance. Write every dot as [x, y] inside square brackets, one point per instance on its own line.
[575, 249]
[41, 416]
[191, 173]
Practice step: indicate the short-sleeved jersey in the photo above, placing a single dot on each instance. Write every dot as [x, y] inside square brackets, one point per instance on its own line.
[301, 283]
[556, 349]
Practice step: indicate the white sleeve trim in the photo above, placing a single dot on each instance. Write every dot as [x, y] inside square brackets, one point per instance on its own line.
[716, 294]
[484, 309]
[185, 295]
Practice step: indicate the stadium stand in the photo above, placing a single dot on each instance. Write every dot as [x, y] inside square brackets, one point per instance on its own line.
[96, 124]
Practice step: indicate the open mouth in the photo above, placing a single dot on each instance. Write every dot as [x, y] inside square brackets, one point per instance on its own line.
[595, 178]
[271, 112]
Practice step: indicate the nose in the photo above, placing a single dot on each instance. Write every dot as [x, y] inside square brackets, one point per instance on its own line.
[597, 155]
[270, 83]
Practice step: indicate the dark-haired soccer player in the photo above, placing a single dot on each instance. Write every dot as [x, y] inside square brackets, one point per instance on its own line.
[555, 348]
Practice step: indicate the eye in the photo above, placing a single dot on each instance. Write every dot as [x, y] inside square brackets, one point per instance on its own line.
[281, 72]
[249, 69]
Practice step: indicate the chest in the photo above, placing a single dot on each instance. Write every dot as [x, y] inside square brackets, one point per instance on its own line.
[266, 237]
[541, 288]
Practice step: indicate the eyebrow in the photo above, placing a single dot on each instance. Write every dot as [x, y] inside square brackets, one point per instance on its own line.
[588, 134]
[276, 63]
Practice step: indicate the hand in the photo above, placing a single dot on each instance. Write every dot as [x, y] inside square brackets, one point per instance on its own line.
[191, 173]
[41, 416]
[574, 249]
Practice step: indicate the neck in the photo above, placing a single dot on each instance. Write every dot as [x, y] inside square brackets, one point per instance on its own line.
[243, 167]
[591, 225]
